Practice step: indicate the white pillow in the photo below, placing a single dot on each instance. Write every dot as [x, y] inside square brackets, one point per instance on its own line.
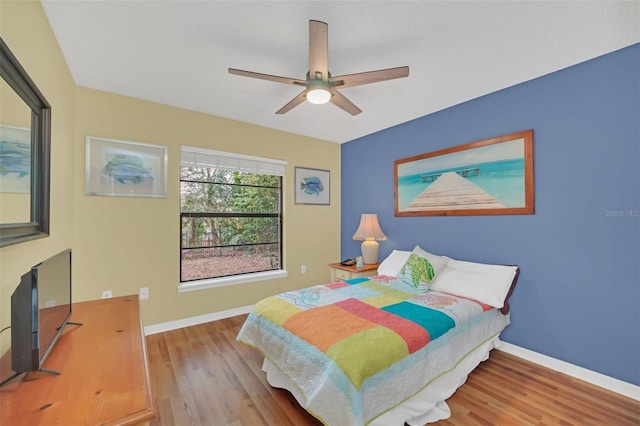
[488, 284]
[438, 262]
[392, 264]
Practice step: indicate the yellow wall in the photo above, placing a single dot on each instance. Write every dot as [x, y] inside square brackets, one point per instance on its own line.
[25, 29]
[122, 244]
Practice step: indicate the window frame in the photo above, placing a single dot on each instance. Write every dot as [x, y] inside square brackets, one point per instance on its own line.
[199, 157]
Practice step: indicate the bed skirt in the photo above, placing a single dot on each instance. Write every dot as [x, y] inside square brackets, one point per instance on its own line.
[426, 406]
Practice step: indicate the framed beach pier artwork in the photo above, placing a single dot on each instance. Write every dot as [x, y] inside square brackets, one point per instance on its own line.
[488, 177]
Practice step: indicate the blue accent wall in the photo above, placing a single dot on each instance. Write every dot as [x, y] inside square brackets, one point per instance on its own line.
[578, 297]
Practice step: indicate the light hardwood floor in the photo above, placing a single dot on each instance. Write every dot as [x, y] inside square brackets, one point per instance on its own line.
[201, 376]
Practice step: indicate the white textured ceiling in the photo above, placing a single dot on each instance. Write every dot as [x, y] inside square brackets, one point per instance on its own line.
[177, 52]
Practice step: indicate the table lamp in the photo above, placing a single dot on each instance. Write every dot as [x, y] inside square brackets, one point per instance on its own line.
[369, 231]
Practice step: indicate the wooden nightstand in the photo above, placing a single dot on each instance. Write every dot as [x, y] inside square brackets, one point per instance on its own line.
[341, 272]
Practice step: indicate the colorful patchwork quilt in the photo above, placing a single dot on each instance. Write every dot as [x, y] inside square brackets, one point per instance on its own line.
[344, 343]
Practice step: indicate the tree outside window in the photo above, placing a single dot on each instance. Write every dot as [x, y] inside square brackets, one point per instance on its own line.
[231, 222]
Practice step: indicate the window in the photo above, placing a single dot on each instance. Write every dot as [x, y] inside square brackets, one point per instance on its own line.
[230, 214]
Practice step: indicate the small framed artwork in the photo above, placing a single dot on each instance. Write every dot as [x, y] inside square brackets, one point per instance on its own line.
[15, 159]
[125, 169]
[488, 177]
[312, 186]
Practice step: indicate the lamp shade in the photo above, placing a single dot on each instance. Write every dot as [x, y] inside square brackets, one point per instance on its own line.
[369, 231]
[369, 228]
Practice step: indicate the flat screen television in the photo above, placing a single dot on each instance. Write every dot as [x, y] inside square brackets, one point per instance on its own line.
[40, 309]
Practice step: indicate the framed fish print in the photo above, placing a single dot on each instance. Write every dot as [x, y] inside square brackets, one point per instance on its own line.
[488, 177]
[15, 160]
[312, 186]
[125, 169]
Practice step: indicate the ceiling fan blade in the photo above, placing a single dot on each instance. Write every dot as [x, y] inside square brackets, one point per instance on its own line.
[293, 103]
[269, 77]
[318, 50]
[369, 77]
[341, 101]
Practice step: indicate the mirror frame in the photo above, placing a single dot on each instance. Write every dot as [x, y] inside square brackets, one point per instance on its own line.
[38, 227]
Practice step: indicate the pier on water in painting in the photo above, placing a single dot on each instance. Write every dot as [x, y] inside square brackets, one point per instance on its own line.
[450, 191]
[466, 172]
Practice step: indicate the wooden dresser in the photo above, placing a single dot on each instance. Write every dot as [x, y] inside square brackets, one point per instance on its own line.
[105, 374]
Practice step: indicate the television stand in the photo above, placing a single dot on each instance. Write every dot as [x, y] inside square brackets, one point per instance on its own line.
[54, 372]
[105, 376]
[42, 370]
[10, 378]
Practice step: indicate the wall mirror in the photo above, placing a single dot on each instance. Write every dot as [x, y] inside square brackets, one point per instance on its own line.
[25, 142]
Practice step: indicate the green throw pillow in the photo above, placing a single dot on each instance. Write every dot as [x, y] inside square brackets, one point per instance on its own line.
[417, 272]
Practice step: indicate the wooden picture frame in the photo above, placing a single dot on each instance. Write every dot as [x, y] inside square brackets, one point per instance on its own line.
[488, 177]
[125, 169]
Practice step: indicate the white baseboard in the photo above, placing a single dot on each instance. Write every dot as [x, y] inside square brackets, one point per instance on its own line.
[618, 386]
[610, 383]
[200, 319]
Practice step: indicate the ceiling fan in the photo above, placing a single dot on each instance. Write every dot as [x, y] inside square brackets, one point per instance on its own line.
[320, 86]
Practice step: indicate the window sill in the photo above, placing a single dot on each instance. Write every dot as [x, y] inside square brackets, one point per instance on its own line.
[232, 280]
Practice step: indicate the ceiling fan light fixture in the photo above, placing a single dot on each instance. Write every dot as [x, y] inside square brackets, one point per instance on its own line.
[318, 96]
[320, 86]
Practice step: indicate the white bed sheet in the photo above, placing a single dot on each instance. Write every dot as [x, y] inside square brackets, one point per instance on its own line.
[465, 351]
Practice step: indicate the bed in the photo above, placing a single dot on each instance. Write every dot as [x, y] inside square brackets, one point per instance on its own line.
[388, 349]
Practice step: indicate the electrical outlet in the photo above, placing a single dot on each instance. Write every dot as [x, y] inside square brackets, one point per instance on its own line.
[106, 294]
[144, 293]
[303, 269]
